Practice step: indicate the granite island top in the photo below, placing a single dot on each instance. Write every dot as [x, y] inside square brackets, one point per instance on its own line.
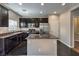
[41, 36]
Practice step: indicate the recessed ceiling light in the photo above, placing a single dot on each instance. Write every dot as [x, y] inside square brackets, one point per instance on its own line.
[20, 3]
[41, 12]
[42, 4]
[25, 11]
[54, 12]
[63, 4]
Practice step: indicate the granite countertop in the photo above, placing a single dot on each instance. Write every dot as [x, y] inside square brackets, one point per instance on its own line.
[9, 34]
[41, 36]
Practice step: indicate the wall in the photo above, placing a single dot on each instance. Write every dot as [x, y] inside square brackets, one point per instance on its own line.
[61, 26]
[65, 28]
[54, 25]
[3, 30]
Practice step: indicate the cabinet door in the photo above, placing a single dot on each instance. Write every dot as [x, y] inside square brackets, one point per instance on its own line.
[19, 38]
[23, 23]
[4, 21]
[10, 43]
[6, 45]
[1, 47]
[0, 15]
[36, 21]
[44, 20]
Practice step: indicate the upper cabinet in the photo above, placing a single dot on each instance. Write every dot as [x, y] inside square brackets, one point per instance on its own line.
[36, 21]
[0, 15]
[31, 22]
[28, 22]
[23, 23]
[43, 20]
[3, 17]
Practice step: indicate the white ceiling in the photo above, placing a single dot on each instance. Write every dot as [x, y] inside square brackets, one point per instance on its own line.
[35, 8]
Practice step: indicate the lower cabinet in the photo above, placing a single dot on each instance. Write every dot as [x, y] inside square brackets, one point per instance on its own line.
[24, 35]
[1, 47]
[19, 38]
[10, 43]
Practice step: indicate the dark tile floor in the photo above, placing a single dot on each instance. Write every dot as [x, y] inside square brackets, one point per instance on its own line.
[62, 50]
[19, 50]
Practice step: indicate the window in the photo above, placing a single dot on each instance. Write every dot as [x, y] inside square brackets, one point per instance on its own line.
[12, 25]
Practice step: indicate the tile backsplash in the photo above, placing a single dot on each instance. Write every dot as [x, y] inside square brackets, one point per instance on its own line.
[3, 30]
[6, 30]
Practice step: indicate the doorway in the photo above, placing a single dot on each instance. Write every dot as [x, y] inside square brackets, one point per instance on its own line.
[76, 31]
[75, 24]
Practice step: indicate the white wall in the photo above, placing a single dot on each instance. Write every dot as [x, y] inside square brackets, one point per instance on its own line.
[54, 25]
[3, 30]
[65, 28]
[60, 26]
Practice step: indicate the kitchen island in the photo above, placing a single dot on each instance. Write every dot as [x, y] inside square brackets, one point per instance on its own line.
[42, 44]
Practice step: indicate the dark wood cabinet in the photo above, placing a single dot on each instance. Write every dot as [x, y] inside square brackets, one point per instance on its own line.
[1, 47]
[24, 36]
[3, 17]
[0, 15]
[44, 20]
[36, 21]
[23, 22]
[10, 43]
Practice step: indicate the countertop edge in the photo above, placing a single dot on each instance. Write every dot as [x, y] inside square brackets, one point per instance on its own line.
[32, 36]
[5, 36]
